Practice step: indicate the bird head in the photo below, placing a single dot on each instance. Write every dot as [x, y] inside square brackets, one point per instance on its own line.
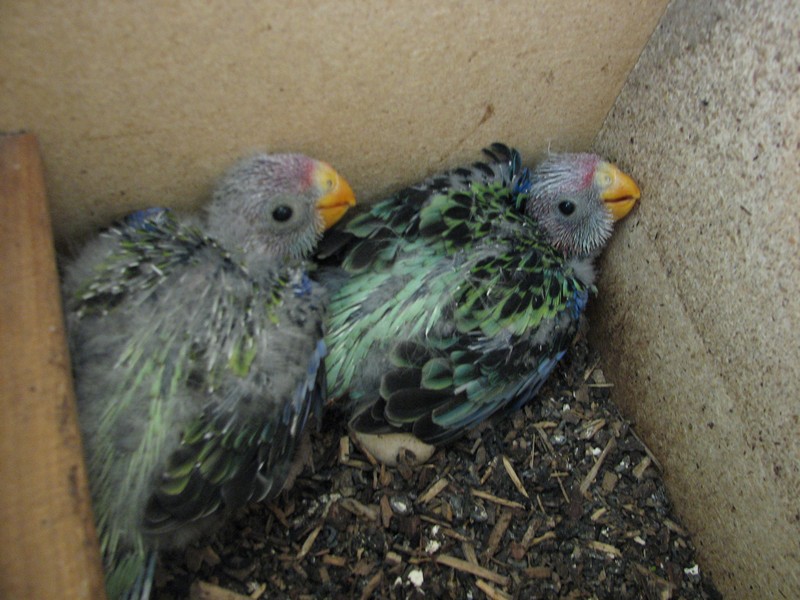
[576, 198]
[277, 205]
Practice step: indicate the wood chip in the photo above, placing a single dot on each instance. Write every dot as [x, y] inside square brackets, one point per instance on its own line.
[300, 570]
[605, 548]
[673, 526]
[393, 558]
[657, 587]
[514, 477]
[433, 491]
[542, 538]
[590, 370]
[344, 449]
[364, 567]
[491, 592]
[638, 470]
[370, 512]
[334, 560]
[488, 472]
[202, 590]
[259, 591]
[494, 499]
[591, 428]
[538, 572]
[469, 552]
[545, 440]
[240, 574]
[446, 510]
[452, 533]
[304, 549]
[369, 456]
[532, 460]
[372, 585]
[581, 395]
[279, 514]
[592, 474]
[385, 477]
[647, 450]
[499, 530]
[386, 512]
[358, 464]
[558, 477]
[527, 537]
[609, 482]
[438, 522]
[598, 513]
[473, 569]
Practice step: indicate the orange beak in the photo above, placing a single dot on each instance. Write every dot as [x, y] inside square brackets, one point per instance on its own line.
[620, 192]
[338, 198]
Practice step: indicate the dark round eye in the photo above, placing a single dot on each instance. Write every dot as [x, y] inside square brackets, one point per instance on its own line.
[566, 207]
[282, 213]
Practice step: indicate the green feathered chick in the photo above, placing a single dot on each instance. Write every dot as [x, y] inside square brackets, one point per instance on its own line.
[463, 293]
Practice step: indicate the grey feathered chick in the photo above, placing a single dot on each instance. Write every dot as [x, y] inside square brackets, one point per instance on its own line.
[197, 351]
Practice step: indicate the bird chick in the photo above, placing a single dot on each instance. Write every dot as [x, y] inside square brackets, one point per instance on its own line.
[464, 292]
[197, 348]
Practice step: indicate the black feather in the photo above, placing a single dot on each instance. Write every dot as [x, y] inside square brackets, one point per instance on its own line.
[433, 229]
[371, 420]
[364, 253]
[400, 379]
[458, 213]
[408, 405]
[431, 433]
[408, 354]
[484, 168]
[333, 244]
[459, 234]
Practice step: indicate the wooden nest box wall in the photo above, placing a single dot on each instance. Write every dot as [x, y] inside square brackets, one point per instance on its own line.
[699, 306]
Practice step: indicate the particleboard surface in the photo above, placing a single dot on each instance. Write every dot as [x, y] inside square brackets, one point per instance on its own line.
[144, 103]
[699, 306]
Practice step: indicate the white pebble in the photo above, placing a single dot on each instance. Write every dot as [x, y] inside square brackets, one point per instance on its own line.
[693, 571]
[432, 546]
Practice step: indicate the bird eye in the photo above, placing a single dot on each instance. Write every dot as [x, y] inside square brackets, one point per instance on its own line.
[282, 213]
[566, 207]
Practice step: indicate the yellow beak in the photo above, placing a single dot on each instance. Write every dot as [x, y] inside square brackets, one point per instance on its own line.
[620, 192]
[337, 199]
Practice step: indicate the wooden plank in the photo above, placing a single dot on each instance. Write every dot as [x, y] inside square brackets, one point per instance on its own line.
[48, 546]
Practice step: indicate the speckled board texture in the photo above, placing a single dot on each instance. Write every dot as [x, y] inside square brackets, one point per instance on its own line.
[699, 307]
[144, 103]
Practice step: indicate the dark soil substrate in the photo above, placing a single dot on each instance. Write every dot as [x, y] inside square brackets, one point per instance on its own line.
[560, 500]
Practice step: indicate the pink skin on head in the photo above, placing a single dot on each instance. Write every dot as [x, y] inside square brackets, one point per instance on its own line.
[308, 174]
[588, 163]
